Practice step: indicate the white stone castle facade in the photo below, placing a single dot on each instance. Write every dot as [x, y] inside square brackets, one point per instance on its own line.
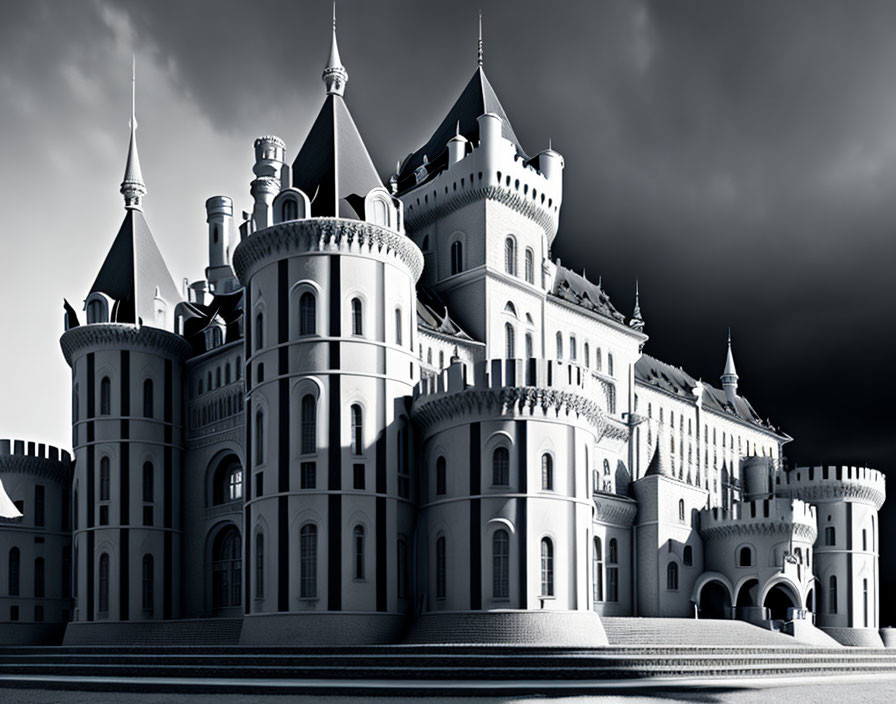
[387, 412]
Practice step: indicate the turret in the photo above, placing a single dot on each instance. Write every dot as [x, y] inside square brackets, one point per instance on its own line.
[457, 147]
[729, 376]
[335, 75]
[550, 163]
[269, 156]
[489, 136]
[219, 216]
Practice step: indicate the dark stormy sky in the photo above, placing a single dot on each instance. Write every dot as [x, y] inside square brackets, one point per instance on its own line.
[738, 158]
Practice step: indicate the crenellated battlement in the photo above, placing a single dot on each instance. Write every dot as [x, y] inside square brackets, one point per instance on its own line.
[511, 387]
[833, 483]
[761, 516]
[35, 458]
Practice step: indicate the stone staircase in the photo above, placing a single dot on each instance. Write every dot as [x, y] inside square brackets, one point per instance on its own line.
[208, 631]
[629, 631]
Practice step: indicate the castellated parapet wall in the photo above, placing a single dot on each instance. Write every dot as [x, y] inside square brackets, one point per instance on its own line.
[31, 457]
[760, 517]
[832, 483]
[532, 387]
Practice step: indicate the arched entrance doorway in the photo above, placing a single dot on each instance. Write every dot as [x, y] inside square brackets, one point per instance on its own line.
[748, 595]
[810, 600]
[227, 569]
[714, 601]
[779, 598]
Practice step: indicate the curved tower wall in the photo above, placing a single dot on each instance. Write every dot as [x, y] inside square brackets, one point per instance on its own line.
[329, 485]
[134, 517]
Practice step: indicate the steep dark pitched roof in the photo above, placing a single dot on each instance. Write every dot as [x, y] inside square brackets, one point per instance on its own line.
[132, 270]
[333, 164]
[676, 381]
[575, 288]
[477, 98]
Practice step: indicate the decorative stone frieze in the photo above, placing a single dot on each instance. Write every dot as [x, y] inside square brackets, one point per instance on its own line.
[614, 510]
[121, 335]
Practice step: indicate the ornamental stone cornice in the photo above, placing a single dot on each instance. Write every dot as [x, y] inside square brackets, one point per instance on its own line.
[54, 470]
[121, 335]
[806, 531]
[418, 216]
[508, 401]
[614, 510]
[336, 235]
[821, 492]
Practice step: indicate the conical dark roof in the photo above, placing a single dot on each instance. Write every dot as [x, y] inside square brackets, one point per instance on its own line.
[132, 270]
[333, 164]
[477, 98]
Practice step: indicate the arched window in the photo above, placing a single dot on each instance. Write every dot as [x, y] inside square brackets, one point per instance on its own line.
[745, 556]
[457, 257]
[597, 569]
[235, 483]
[105, 396]
[15, 566]
[595, 481]
[105, 479]
[358, 547]
[672, 576]
[103, 607]
[97, 311]
[259, 332]
[259, 565]
[830, 535]
[148, 487]
[259, 437]
[357, 317]
[547, 567]
[501, 467]
[510, 256]
[501, 564]
[530, 266]
[530, 347]
[610, 364]
[598, 359]
[308, 561]
[147, 399]
[606, 467]
[357, 430]
[547, 472]
[613, 553]
[832, 595]
[307, 314]
[398, 326]
[309, 424]
[509, 340]
[227, 569]
[510, 308]
[441, 479]
[290, 209]
[587, 355]
[559, 345]
[148, 586]
[572, 348]
[681, 510]
[440, 567]
[688, 556]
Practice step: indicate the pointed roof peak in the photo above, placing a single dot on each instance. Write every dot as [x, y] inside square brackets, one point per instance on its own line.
[658, 463]
[479, 52]
[637, 320]
[334, 76]
[730, 373]
[132, 186]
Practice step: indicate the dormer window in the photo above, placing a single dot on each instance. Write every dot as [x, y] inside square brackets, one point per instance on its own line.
[97, 309]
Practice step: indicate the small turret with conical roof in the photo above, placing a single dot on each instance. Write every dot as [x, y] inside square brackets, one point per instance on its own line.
[729, 376]
[132, 187]
[636, 322]
[335, 76]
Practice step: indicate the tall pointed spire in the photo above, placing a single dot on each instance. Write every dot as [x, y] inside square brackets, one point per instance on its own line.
[132, 187]
[334, 76]
[479, 53]
[637, 322]
[729, 376]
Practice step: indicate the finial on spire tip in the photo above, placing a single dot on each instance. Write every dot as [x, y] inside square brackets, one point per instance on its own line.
[132, 187]
[479, 57]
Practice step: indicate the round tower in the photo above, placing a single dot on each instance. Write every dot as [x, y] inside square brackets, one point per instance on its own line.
[270, 153]
[506, 517]
[219, 216]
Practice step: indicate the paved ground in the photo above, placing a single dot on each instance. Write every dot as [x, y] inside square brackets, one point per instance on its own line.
[819, 691]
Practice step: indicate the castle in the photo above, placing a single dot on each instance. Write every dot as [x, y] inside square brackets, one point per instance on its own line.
[387, 414]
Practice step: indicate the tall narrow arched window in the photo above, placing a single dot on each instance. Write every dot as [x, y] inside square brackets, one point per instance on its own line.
[587, 356]
[606, 467]
[227, 568]
[290, 209]
[441, 478]
[597, 570]
[307, 314]
[308, 561]
[148, 483]
[259, 332]
[830, 536]
[745, 557]
[832, 595]
[672, 576]
[688, 556]
[103, 606]
[147, 399]
[598, 360]
[572, 348]
[681, 509]
[441, 577]
[105, 396]
[309, 424]
[530, 266]
[510, 256]
[457, 257]
[105, 479]
[357, 317]
[509, 341]
[530, 346]
[259, 565]
[148, 586]
[398, 326]
[501, 467]
[501, 564]
[613, 552]
[559, 338]
[259, 437]
[610, 364]
[547, 567]
[358, 552]
[547, 472]
[15, 571]
[357, 430]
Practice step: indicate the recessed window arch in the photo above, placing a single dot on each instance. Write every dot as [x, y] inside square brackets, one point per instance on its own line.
[587, 355]
[510, 256]
[259, 332]
[441, 476]
[97, 310]
[105, 396]
[610, 364]
[598, 359]
[398, 326]
[227, 568]
[547, 567]
[259, 436]
[105, 478]
[613, 552]
[357, 421]
[572, 348]
[830, 535]
[441, 565]
[147, 399]
[547, 472]
[745, 556]
[681, 512]
[308, 561]
[501, 564]
[530, 266]
[307, 313]
[559, 338]
[510, 309]
[688, 556]
[103, 606]
[457, 257]
[672, 576]
[309, 424]
[290, 209]
[530, 345]
[501, 466]
[357, 317]
[597, 570]
[832, 595]
[358, 551]
[509, 341]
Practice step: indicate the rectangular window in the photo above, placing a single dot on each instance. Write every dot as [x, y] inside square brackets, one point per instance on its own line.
[309, 475]
[39, 505]
[358, 471]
